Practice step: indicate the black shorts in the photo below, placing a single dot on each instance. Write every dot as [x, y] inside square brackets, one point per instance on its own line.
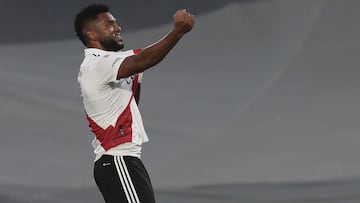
[123, 179]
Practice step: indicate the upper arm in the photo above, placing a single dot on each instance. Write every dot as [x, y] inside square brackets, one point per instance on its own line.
[127, 68]
[130, 65]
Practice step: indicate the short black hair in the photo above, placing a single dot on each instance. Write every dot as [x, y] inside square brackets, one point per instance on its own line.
[86, 15]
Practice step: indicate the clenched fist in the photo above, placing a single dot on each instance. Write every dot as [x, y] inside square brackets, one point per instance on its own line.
[183, 21]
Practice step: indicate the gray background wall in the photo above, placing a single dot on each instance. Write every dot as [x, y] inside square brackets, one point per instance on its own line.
[259, 103]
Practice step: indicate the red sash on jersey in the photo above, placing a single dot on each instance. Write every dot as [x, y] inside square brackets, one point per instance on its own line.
[122, 131]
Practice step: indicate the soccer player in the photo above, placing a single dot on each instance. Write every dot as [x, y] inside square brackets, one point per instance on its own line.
[110, 80]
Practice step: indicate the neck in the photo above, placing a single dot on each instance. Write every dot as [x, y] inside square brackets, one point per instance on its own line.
[95, 45]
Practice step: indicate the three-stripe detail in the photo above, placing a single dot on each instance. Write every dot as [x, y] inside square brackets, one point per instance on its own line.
[125, 179]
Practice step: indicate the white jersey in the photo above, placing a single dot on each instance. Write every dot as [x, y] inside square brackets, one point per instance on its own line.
[109, 104]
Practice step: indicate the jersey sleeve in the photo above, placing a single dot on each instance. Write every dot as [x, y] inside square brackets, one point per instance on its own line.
[108, 67]
[109, 64]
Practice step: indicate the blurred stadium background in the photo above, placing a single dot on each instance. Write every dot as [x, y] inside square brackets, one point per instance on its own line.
[259, 103]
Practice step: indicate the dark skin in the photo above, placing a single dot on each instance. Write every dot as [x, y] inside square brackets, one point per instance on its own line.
[106, 29]
[137, 93]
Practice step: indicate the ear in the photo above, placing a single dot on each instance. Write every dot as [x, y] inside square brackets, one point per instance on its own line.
[91, 35]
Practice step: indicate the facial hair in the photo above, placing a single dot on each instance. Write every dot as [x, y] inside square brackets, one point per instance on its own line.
[111, 45]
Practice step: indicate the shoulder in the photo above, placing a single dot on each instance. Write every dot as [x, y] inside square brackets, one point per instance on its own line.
[113, 56]
[97, 57]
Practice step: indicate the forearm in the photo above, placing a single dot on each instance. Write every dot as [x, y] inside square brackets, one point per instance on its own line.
[156, 52]
[149, 56]
[153, 54]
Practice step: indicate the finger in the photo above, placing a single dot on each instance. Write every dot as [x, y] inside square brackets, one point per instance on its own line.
[178, 12]
[190, 16]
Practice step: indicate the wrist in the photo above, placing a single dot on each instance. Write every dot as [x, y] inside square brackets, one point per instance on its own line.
[177, 32]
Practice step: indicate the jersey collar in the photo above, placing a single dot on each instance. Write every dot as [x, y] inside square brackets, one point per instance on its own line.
[94, 51]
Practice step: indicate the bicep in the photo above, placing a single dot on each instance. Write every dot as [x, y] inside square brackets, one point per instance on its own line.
[130, 66]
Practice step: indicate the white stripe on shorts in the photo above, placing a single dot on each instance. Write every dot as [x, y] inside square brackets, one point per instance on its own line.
[125, 179]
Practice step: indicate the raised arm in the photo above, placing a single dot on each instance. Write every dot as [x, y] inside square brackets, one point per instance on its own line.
[153, 54]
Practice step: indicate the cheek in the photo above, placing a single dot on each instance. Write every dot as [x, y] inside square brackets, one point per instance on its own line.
[106, 35]
[110, 32]
[110, 29]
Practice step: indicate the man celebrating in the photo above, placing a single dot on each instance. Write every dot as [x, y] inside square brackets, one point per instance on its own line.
[110, 88]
